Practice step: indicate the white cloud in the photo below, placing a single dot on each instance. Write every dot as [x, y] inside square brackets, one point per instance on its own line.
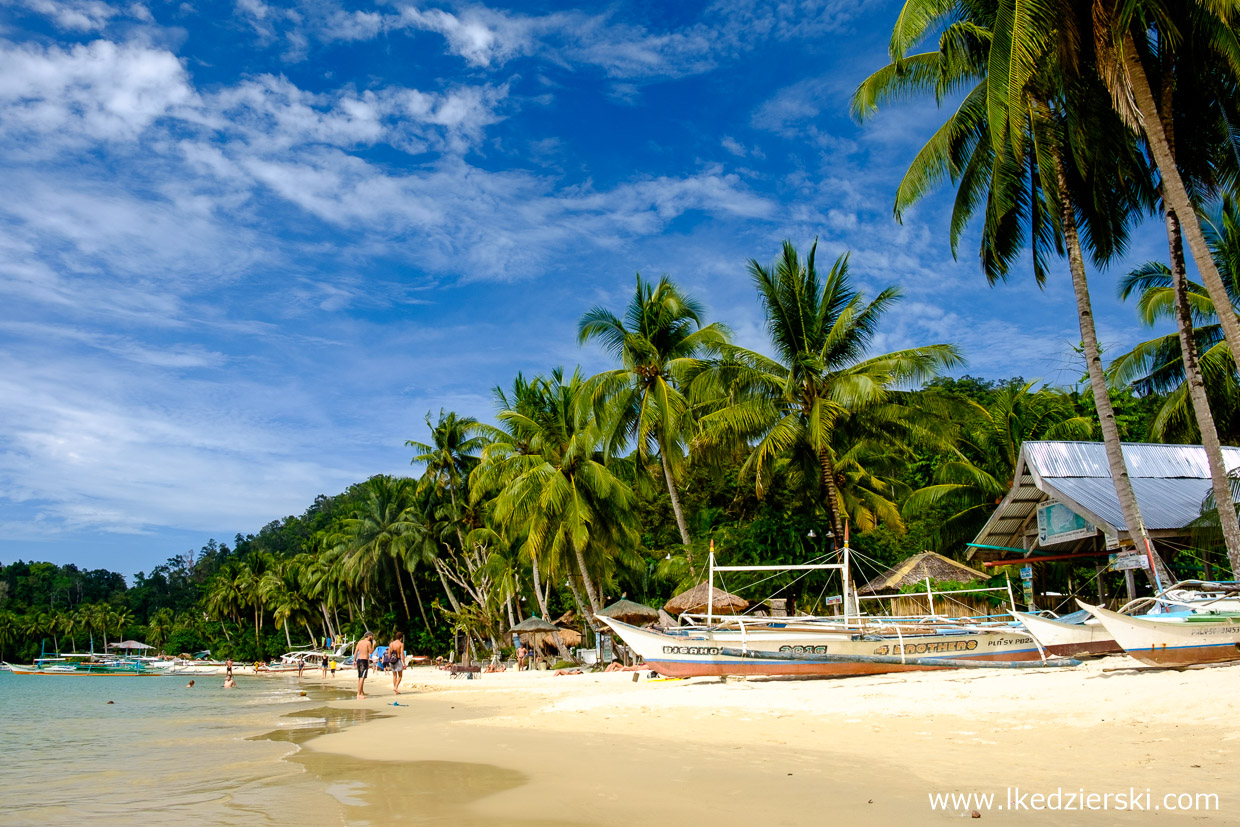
[78, 15]
[101, 90]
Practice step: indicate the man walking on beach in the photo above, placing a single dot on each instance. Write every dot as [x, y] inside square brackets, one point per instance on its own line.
[361, 656]
[396, 655]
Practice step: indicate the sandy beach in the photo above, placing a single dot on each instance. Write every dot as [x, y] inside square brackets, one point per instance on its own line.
[602, 749]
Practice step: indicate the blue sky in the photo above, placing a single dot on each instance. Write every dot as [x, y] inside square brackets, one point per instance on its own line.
[245, 247]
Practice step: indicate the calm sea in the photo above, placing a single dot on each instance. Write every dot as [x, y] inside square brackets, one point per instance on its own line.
[160, 753]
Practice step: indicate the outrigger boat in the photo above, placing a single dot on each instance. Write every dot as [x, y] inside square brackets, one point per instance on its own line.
[856, 645]
[1080, 633]
[1174, 640]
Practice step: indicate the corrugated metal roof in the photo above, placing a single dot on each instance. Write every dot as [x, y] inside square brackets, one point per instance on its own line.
[1169, 481]
[1089, 459]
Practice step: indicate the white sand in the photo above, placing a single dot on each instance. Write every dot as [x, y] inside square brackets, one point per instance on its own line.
[601, 749]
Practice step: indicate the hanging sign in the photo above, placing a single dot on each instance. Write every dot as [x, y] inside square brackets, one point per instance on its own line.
[834, 600]
[1026, 572]
[1059, 524]
[1128, 560]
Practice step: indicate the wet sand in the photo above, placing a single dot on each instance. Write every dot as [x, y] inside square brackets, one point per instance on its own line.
[530, 748]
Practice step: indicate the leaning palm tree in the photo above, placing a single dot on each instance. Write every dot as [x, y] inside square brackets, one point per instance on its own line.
[1194, 365]
[658, 343]
[822, 374]
[1046, 157]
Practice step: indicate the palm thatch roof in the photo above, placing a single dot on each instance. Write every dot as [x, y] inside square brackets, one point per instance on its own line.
[694, 601]
[917, 568]
[535, 624]
[629, 612]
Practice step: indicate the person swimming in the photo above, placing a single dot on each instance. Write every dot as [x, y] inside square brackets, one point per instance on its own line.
[190, 685]
[229, 683]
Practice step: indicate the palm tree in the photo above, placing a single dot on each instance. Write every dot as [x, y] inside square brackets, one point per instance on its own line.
[384, 527]
[658, 344]
[159, 627]
[455, 444]
[556, 490]
[969, 484]
[1194, 365]
[1125, 35]
[1053, 158]
[822, 375]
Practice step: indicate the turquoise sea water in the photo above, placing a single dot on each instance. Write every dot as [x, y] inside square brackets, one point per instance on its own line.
[160, 753]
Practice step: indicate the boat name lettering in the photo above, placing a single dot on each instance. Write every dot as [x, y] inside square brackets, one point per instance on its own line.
[804, 650]
[690, 650]
[934, 647]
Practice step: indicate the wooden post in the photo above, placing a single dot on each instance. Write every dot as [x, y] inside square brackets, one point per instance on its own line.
[1101, 569]
[1131, 582]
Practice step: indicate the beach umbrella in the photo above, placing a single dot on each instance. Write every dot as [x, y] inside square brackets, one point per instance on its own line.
[694, 601]
[627, 611]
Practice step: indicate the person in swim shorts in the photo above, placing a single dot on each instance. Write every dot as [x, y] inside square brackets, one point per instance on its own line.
[361, 657]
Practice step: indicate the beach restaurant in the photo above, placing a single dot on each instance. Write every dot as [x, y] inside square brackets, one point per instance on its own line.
[1062, 508]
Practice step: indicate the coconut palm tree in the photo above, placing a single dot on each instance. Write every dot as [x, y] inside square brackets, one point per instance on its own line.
[821, 377]
[658, 343]
[1054, 160]
[1194, 366]
[556, 491]
[384, 530]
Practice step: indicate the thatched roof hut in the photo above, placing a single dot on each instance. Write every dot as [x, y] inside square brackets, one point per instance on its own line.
[626, 611]
[694, 600]
[917, 568]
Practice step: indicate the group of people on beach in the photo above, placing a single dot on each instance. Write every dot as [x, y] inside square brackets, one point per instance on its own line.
[393, 661]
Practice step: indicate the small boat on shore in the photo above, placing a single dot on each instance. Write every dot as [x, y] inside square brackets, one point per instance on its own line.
[1071, 635]
[1174, 640]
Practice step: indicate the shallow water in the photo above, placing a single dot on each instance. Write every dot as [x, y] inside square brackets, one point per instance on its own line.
[210, 756]
[160, 751]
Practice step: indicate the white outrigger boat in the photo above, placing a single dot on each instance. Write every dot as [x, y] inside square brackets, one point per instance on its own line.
[822, 646]
[1080, 633]
[1182, 639]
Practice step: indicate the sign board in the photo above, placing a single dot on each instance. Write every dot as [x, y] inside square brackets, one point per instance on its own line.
[605, 652]
[1127, 560]
[1059, 524]
[1026, 572]
[834, 600]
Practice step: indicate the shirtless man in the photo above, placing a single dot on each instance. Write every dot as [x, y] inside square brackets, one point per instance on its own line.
[397, 650]
[361, 657]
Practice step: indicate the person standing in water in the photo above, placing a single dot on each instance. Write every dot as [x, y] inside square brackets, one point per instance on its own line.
[361, 656]
[396, 653]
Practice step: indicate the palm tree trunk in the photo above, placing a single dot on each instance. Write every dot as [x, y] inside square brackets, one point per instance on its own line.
[675, 497]
[1176, 195]
[542, 604]
[833, 494]
[287, 638]
[1193, 379]
[590, 592]
[400, 588]
[257, 643]
[456, 604]
[1098, 384]
[417, 595]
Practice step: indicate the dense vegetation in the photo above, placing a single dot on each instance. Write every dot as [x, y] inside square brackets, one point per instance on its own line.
[1071, 124]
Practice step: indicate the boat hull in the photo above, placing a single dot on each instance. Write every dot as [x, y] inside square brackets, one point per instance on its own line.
[1173, 641]
[698, 653]
[86, 673]
[1069, 639]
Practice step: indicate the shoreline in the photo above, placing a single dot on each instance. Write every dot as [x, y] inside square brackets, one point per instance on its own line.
[601, 749]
